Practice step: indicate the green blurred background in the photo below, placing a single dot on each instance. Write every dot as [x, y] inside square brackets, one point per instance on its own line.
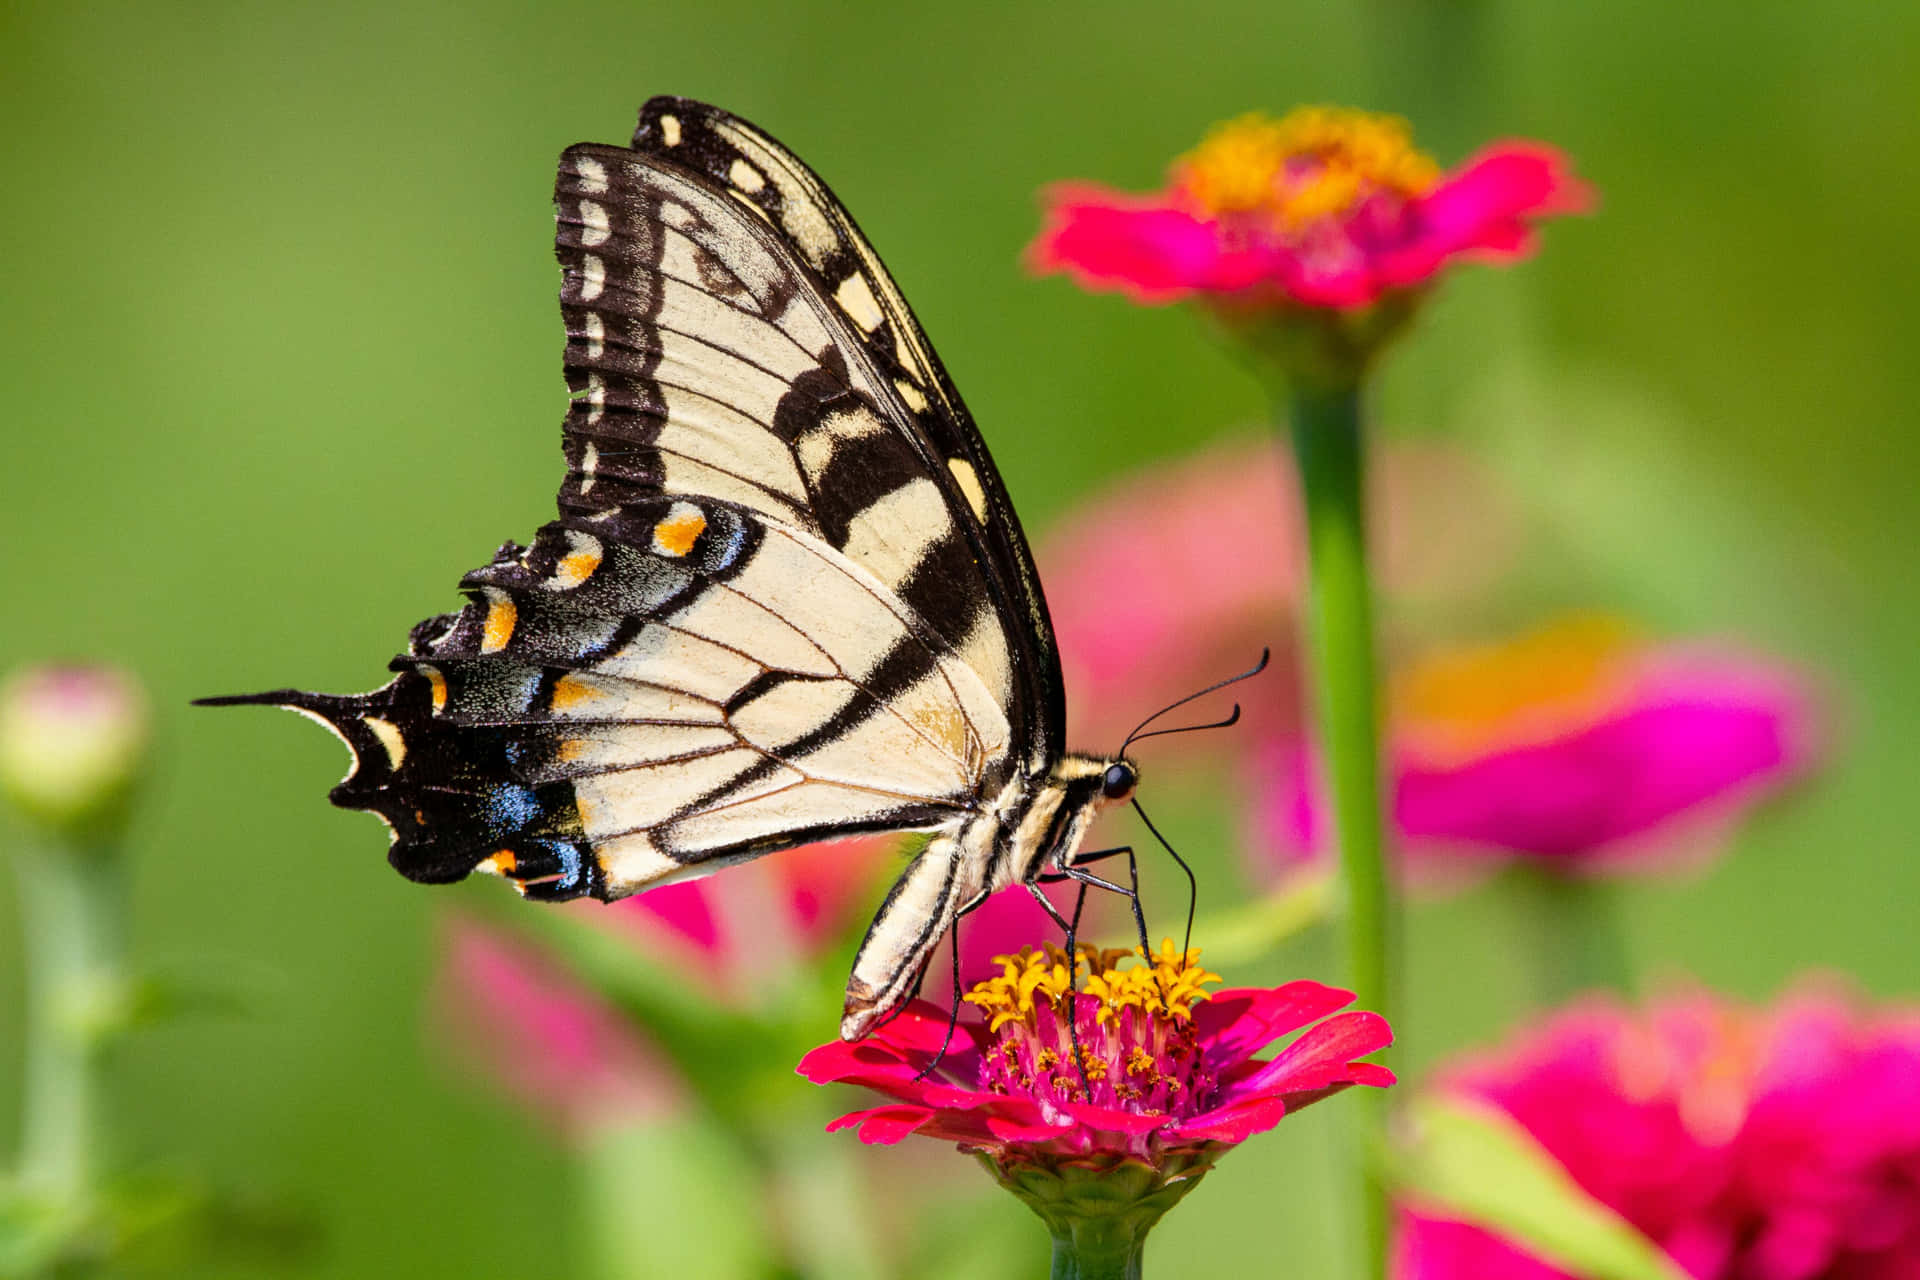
[279, 360]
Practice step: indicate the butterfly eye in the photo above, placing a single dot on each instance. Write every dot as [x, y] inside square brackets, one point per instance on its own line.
[1119, 782]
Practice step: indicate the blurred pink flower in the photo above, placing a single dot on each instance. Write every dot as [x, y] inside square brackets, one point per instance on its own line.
[1325, 208]
[1576, 746]
[750, 923]
[1182, 572]
[1750, 1145]
[552, 1045]
[516, 1015]
[1171, 1071]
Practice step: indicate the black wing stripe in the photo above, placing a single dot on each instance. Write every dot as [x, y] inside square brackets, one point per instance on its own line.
[826, 238]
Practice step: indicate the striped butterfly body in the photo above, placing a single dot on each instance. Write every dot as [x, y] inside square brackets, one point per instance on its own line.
[786, 599]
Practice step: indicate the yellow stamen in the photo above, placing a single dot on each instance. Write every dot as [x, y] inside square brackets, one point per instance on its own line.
[1167, 985]
[1315, 162]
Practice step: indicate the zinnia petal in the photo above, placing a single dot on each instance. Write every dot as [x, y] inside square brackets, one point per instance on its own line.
[1322, 1056]
[1324, 211]
[1140, 246]
[1772, 1144]
[1239, 1022]
[1162, 1075]
[884, 1126]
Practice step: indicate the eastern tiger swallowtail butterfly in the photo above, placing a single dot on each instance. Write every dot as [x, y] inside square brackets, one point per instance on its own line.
[786, 599]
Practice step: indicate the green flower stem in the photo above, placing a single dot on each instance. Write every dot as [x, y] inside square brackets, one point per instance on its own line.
[72, 902]
[1329, 445]
[1099, 1249]
[1099, 1216]
[1579, 941]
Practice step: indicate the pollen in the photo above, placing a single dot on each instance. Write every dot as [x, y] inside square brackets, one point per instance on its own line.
[1312, 164]
[677, 530]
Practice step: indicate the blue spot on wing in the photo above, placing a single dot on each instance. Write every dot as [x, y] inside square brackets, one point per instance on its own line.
[507, 808]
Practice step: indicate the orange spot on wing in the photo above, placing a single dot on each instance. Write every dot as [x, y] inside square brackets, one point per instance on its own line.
[675, 534]
[438, 684]
[575, 568]
[498, 864]
[569, 693]
[501, 615]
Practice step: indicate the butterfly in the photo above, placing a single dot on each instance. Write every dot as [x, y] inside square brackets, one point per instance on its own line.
[786, 598]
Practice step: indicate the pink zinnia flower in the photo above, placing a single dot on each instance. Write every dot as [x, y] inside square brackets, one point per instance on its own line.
[1578, 747]
[1211, 550]
[550, 1042]
[1326, 208]
[1169, 1070]
[1750, 1145]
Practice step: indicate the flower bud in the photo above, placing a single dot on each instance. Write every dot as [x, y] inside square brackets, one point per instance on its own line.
[72, 741]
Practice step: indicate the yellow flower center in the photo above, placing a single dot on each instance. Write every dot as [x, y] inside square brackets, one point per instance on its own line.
[1128, 1015]
[1164, 985]
[1314, 163]
[1709, 1072]
[1457, 705]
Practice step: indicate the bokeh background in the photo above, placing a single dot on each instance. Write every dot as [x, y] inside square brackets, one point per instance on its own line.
[279, 360]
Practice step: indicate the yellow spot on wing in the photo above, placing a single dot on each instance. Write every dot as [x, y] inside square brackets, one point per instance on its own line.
[589, 463]
[501, 615]
[675, 534]
[497, 864]
[745, 176]
[390, 738]
[963, 475]
[855, 297]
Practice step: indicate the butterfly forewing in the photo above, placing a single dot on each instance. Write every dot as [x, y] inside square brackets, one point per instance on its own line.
[878, 330]
[703, 361]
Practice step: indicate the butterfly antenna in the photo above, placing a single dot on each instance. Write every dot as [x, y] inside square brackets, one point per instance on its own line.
[1193, 883]
[1233, 718]
[1139, 730]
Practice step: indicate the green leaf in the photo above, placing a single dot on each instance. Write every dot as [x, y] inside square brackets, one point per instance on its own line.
[1473, 1162]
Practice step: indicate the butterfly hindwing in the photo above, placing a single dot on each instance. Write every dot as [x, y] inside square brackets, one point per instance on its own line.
[655, 691]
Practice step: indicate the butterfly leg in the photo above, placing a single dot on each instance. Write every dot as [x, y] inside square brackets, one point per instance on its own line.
[1080, 860]
[953, 1010]
[1132, 894]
